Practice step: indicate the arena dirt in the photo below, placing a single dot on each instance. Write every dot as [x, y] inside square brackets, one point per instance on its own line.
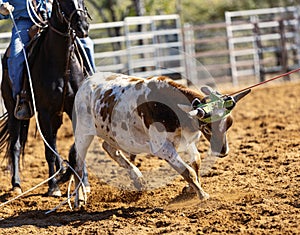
[254, 190]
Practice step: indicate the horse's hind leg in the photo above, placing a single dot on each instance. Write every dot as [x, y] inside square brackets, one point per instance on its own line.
[14, 153]
[134, 172]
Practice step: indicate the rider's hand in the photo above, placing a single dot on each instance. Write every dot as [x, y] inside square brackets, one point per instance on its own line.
[6, 8]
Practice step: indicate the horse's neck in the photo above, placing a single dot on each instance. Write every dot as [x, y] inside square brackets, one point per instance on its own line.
[57, 45]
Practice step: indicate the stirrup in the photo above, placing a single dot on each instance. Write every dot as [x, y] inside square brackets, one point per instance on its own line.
[23, 109]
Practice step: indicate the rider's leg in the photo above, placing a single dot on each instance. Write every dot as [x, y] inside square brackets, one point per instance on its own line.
[16, 65]
[88, 46]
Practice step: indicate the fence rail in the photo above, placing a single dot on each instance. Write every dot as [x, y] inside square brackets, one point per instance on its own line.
[267, 37]
[249, 44]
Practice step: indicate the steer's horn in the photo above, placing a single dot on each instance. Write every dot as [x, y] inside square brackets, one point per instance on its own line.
[195, 103]
[240, 95]
[199, 112]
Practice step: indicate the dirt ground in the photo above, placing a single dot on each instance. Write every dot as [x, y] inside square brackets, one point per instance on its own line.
[254, 190]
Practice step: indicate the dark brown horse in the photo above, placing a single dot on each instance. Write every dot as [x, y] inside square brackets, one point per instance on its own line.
[56, 73]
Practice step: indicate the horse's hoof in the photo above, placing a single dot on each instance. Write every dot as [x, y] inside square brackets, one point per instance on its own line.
[54, 192]
[16, 190]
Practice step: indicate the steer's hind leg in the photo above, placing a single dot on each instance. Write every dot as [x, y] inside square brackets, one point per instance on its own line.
[168, 152]
[122, 160]
[82, 143]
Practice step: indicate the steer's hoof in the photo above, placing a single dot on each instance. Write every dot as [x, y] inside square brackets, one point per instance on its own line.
[188, 190]
[204, 196]
[54, 192]
[80, 205]
[140, 184]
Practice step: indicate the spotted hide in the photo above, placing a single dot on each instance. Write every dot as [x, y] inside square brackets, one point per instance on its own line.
[135, 115]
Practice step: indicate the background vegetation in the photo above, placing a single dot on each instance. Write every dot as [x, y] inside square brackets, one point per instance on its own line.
[192, 11]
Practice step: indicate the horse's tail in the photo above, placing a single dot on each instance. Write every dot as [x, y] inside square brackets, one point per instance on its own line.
[4, 134]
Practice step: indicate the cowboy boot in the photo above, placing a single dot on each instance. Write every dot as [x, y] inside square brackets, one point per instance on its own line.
[23, 109]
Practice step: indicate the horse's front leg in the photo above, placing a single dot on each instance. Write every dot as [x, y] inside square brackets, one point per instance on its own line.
[51, 158]
[49, 127]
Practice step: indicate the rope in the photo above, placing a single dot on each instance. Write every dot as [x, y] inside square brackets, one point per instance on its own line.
[269, 80]
[42, 136]
[30, 10]
[29, 190]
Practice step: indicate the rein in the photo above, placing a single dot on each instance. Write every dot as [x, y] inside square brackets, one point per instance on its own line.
[70, 52]
[66, 78]
[68, 21]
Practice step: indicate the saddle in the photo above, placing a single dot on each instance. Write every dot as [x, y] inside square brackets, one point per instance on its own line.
[24, 98]
[36, 35]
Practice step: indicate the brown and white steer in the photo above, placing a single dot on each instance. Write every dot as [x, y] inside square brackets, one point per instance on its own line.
[154, 115]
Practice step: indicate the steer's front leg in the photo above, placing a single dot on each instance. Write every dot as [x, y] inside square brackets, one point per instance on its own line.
[169, 153]
[195, 159]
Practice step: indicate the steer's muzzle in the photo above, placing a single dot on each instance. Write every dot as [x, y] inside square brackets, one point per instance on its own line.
[219, 148]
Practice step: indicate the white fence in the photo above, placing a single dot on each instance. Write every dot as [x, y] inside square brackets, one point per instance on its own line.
[255, 36]
[249, 44]
[143, 46]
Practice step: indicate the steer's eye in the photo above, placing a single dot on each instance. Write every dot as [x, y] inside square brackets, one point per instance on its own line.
[206, 130]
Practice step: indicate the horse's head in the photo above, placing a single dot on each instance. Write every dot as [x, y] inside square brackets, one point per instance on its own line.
[213, 113]
[71, 14]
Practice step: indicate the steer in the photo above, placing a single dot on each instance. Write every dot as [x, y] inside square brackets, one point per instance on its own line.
[155, 115]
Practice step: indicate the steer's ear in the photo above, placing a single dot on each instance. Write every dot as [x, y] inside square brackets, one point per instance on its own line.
[185, 108]
[241, 95]
[206, 90]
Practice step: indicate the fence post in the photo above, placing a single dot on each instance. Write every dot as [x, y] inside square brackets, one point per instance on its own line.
[297, 36]
[128, 47]
[231, 49]
[189, 58]
[258, 56]
[283, 55]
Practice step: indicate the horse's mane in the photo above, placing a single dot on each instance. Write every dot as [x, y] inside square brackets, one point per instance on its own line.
[35, 43]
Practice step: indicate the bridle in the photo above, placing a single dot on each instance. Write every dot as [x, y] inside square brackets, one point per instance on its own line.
[67, 20]
[71, 45]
